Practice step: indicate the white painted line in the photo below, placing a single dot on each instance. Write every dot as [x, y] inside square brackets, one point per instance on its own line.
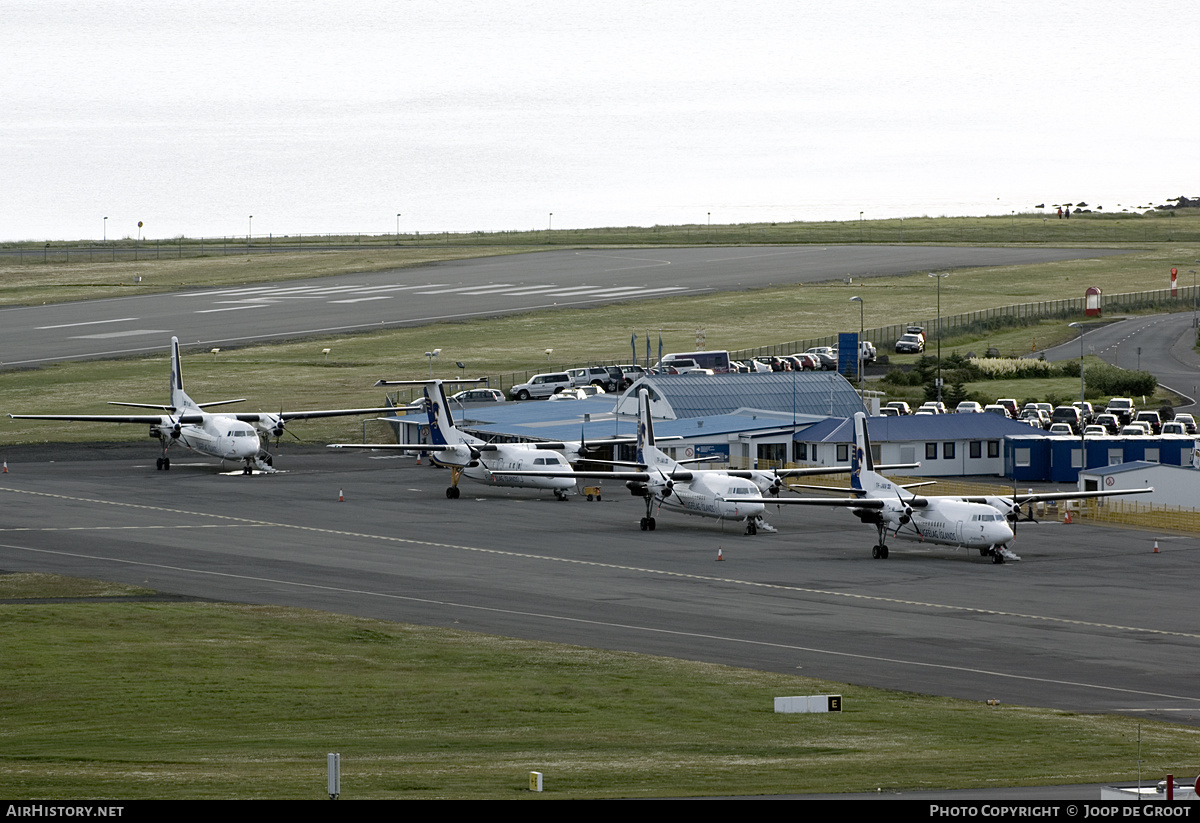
[87, 323]
[231, 308]
[133, 333]
[363, 299]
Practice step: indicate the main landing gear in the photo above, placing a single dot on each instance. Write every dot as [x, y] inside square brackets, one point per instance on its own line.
[453, 492]
[647, 524]
[163, 464]
[880, 552]
[996, 552]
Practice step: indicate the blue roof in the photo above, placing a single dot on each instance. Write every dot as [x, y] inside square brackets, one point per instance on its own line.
[802, 393]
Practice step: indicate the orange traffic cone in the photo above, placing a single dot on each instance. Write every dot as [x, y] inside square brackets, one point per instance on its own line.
[341, 497]
[1156, 546]
[1067, 517]
[720, 556]
[5, 467]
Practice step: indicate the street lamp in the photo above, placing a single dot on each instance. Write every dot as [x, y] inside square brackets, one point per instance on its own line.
[397, 228]
[861, 331]
[431, 355]
[106, 236]
[249, 230]
[939, 276]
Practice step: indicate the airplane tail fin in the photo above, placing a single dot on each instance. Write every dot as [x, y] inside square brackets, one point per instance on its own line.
[862, 465]
[441, 423]
[645, 430]
[179, 398]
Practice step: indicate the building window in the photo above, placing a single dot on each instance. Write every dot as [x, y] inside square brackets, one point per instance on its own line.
[1116, 457]
[948, 451]
[976, 449]
[801, 451]
[876, 451]
[993, 448]
[1021, 456]
[1151, 454]
[931, 451]
[843, 452]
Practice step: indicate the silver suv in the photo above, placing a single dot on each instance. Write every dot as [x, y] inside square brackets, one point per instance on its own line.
[541, 385]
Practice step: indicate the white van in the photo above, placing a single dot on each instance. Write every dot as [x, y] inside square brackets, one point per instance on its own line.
[715, 361]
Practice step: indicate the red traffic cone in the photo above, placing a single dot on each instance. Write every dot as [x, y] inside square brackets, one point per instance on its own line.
[5, 467]
[341, 497]
[720, 556]
[1156, 546]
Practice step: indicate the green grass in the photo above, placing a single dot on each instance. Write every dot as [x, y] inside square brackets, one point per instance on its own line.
[295, 375]
[150, 700]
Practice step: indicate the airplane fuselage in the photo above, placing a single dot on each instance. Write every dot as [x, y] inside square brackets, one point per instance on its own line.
[492, 468]
[220, 436]
[706, 494]
[948, 522]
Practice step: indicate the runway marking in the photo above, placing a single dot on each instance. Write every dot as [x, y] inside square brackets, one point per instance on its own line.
[866, 598]
[583, 621]
[86, 323]
[133, 333]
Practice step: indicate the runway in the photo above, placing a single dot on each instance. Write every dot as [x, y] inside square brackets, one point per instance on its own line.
[1090, 619]
[456, 290]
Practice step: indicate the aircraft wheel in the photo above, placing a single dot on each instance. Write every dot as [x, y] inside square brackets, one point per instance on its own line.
[158, 464]
[166, 464]
[650, 523]
[883, 552]
[874, 552]
[997, 558]
[644, 526]
[751, 528]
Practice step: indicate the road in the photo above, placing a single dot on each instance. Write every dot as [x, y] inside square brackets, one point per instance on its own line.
[456, 290]
[1162, 344]
[1090, 620]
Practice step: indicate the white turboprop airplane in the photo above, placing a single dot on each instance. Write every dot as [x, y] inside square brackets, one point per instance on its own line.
[726, 494]
[225, 436]
[493, 464]
[983, 522]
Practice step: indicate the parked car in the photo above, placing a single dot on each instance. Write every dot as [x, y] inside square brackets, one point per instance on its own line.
[541, 385]
[1085, 408]
[900, 406]
[1013, 409]
[1069, 415]
[479, 396]
[1151, 419]
[1095, 431]
[825, 355]
[1136, 430]
[630, 374]
[997, 409]
[1110, 422]
[1035, 417]
[1061, 429]
[1187, 420]
[910, 344]
[1174, 428]
[934, 406]
[592, 376]
[968, 407]
[1122, 407]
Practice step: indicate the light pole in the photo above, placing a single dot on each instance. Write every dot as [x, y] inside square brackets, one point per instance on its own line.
[249, 230]
[939, 276]
[861, 330]
[106, 236]
[397, 228]
[431, 355]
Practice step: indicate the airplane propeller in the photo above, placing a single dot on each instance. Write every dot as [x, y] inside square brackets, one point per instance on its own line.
[906, 517]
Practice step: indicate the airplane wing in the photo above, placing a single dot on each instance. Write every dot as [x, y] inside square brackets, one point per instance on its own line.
[844, 502]
[145, 419]
[256, 417]
[1040, 497]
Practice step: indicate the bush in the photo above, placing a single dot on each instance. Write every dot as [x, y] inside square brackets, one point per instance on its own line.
[1105, 379]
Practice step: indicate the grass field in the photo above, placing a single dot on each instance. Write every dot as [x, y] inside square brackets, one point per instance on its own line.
[295, 375]
[107, 699]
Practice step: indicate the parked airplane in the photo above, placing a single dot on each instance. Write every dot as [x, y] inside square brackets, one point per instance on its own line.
[225, 436]
[494, 464]
[726, 494]
[983, 522]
